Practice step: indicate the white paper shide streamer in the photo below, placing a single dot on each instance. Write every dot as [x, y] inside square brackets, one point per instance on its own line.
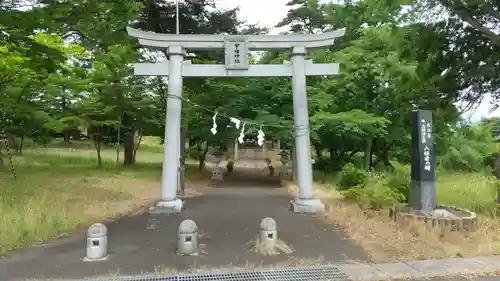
[236, 122]
[214, 128]
[242, 134]
[260, 137]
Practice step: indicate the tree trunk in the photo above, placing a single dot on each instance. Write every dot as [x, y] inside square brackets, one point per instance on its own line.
[118, 143]
[97, 145]
[368, 154]
[67, 136]
[21, 145]
[318, 150]
[383, 154]
[128, 140]
[99, 157]
[128, 149]
[137, 144]
[13, 145]
[201, 159]
[332, 154]
[183, 146]
[2, 164]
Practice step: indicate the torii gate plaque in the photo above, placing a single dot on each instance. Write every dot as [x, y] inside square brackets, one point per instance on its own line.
[237, 65]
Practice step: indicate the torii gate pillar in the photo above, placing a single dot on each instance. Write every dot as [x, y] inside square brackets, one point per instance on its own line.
[171, 156]
[237, 65]
[306, 201]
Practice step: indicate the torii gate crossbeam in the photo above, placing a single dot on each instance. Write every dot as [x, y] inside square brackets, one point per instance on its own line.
[237, 64]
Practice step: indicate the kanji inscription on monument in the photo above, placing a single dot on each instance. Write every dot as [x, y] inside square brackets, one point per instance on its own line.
[236, 53]
[426, 140]
[423, 190]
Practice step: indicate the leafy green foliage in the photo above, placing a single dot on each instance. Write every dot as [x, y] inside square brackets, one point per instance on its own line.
[350, 177]
[399, 180]
[375, 195]
[375, 190]
[468, 149]
[66, 67]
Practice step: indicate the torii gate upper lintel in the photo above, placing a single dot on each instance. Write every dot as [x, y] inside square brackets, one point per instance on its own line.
[237, 48]
[255, 42]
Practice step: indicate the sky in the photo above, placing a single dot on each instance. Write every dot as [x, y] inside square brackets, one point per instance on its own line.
[269, 12]
[264, 12]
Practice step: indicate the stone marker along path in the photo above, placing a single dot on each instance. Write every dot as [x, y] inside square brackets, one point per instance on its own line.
[228, 219]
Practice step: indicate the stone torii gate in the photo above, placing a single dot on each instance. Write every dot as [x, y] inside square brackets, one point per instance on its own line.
[237, 49]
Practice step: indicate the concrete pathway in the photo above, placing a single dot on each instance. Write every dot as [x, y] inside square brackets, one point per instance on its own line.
[228, 218]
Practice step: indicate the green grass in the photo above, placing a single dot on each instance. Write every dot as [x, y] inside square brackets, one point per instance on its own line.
[473, 191]
[61, 188]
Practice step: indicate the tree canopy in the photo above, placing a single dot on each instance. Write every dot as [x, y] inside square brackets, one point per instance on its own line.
[66, 68]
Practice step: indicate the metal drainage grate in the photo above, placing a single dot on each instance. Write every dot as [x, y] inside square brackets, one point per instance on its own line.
[316, 273]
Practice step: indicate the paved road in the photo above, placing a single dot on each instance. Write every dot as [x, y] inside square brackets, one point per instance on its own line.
[228, 218]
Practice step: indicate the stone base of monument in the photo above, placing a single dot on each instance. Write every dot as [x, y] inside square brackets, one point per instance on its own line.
[443, 217]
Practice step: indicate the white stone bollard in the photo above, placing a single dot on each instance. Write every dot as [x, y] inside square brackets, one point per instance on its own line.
[188, 238]
[268, 233]
[217, 174]
[220, 171]
[97, 242]
[284, 164]
[284, 171]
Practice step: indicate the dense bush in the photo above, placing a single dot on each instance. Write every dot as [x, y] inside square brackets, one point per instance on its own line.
[375, 195]
[375, 190]
[350, 176]
[399, 180]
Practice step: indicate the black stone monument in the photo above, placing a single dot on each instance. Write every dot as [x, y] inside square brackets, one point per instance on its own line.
[423, 185]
